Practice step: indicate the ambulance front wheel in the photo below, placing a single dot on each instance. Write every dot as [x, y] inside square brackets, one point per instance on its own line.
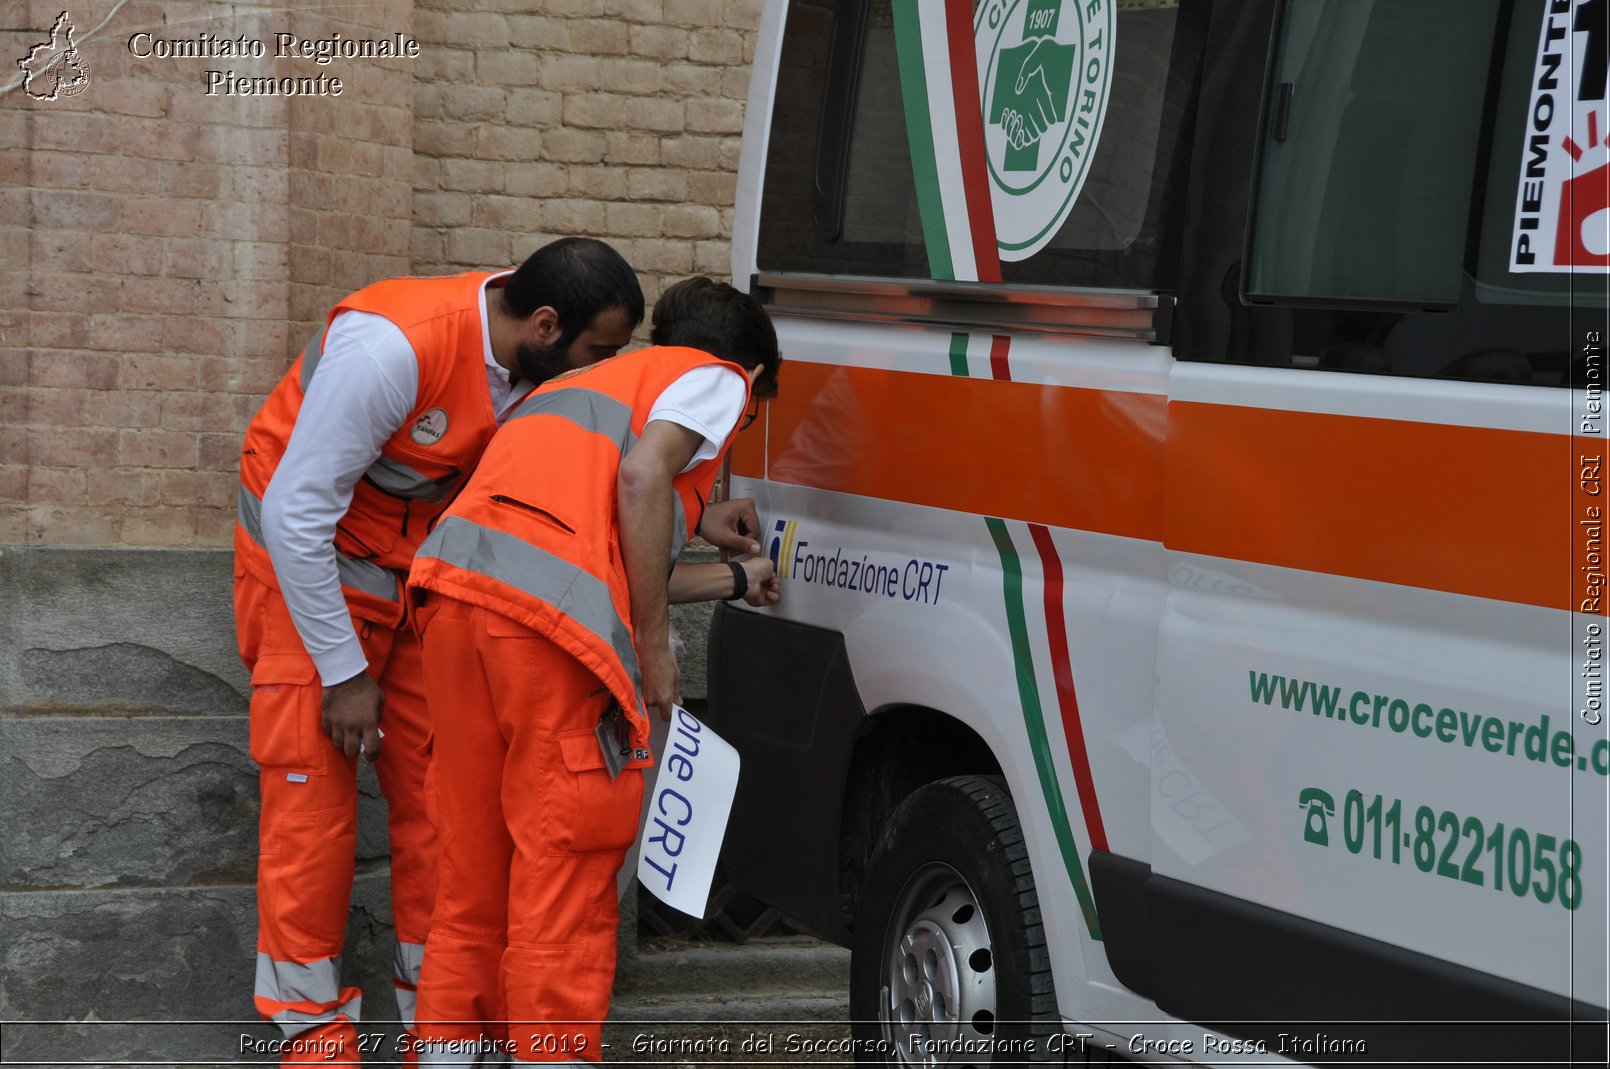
[949, 965]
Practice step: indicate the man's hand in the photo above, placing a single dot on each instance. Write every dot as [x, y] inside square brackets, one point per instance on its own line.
[662, 678]
[763, 587]
[352, 716]
[731, 525]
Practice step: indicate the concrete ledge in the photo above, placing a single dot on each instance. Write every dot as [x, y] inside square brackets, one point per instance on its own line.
[118, 630]
[138, 802]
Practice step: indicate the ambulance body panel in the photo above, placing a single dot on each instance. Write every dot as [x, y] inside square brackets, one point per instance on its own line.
[1257, 567]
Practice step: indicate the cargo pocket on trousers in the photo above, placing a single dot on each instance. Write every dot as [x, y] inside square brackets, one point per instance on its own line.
[284, 711]
[602, 813]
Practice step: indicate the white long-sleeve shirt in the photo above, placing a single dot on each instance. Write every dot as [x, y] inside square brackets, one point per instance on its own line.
[362, 392]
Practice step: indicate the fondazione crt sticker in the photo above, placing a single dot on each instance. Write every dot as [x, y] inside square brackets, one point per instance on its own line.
[1562, 208]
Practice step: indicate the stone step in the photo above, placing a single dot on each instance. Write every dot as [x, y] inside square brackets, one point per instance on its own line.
[773, 1008]
[668, 969]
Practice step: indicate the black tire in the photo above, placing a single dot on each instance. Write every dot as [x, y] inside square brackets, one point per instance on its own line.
[949, 949]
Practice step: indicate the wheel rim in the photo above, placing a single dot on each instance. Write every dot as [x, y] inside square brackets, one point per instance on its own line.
[938, 1002]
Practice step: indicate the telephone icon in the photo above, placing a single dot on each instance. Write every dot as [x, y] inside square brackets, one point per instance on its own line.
[1320, 807]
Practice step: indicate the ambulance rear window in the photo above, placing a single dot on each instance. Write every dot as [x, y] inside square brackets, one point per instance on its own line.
[1430, 192]
[1369, 155]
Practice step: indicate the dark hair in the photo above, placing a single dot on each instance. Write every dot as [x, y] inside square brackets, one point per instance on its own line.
[701, 313]
[578, 278]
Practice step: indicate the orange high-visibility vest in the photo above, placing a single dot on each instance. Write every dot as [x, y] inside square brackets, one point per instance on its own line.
[419, 467]
[535, 536]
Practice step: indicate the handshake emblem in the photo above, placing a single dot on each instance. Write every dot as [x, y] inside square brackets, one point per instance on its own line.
[1026, 105]
[1032, 85]
[1044, 71]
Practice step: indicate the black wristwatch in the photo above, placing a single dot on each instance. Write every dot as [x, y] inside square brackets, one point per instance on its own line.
[740, 581]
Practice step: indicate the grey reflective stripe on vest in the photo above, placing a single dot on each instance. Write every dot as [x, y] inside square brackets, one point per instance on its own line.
[588, 409]
[363, 575]
[310, 357]
[394, 478]
[550, 579]
[368, 577]
[317, 983]
[399, 480]
[598, 412]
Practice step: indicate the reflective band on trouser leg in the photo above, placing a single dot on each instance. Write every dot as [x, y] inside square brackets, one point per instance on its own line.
[298, 995]
[405, 978]
[316, 1014]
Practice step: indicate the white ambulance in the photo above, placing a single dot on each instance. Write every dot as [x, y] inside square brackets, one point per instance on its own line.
[1187, 485]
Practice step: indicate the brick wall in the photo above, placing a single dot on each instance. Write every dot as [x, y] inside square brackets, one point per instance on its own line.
[617, 119]
[163, 253]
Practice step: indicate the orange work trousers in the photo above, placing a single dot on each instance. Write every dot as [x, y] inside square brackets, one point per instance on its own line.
[521, 955]
[307, 833]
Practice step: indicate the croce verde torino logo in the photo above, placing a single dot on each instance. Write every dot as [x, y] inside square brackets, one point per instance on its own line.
[1045, 70]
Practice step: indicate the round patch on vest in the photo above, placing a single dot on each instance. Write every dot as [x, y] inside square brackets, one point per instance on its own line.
[429, 428]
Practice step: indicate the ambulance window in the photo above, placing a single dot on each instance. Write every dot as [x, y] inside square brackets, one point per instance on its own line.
[841, 191]
[1431, 195]
[1369, 150]
[1544, 233]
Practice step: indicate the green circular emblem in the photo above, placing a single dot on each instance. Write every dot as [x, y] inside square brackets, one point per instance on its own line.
[1044, 71]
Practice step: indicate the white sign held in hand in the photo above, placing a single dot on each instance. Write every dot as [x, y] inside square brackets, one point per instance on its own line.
[687, 797]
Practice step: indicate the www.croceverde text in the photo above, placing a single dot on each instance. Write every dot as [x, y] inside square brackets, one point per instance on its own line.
[1532, 741]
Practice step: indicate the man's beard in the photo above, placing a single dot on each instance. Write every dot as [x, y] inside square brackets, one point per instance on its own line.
[539, 363]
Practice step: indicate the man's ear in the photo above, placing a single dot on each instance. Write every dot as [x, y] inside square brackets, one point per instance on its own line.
[754, 373]
[545, 325]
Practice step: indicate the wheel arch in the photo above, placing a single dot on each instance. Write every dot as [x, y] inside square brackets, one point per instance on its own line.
[821, 774]
[901, 748]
